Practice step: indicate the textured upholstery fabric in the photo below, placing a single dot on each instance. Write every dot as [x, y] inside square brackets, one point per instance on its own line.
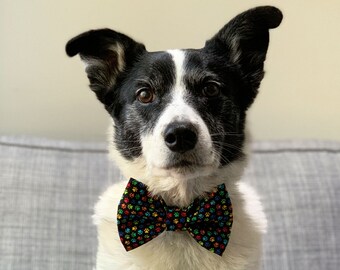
[48, 190]
[47, 193]
[300, 188]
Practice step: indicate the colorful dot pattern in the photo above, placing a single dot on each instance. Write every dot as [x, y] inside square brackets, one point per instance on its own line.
[142, 217]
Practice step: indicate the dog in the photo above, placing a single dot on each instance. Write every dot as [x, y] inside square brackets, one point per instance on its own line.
[179, 131]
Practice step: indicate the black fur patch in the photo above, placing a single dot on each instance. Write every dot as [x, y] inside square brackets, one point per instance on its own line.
[132, 118]
[223, 114]
[244, 42]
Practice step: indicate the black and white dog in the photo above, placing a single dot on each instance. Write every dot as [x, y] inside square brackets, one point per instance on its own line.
[178, 126]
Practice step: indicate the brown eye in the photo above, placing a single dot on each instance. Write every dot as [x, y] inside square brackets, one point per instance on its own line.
[145, 95]
[211, 90]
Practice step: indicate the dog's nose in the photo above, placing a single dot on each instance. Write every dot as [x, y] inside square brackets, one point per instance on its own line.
[180, 136]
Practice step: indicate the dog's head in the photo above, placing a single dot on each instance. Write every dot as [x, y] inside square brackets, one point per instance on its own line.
[178, 112]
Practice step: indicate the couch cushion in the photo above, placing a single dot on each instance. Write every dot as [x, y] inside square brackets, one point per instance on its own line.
[48, 190]
[47, 193]
[299, 183]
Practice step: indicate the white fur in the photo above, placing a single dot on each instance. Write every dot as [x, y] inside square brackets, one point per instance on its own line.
[178, 250]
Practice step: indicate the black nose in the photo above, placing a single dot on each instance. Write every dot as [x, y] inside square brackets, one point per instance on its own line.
[180, 137]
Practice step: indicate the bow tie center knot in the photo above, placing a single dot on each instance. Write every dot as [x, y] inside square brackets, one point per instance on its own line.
[176, 219]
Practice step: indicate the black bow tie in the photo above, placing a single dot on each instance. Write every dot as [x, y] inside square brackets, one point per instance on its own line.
[142, 217]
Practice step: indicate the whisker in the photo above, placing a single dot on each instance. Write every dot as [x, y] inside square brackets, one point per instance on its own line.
[225, 145]
[125, 141]
[226, 134]
[224, 159]
[129, 149]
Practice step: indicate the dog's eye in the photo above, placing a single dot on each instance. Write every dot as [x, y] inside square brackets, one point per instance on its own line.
[211, 89]
[145, 95]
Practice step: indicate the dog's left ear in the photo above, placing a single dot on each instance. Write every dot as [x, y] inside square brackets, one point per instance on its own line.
[244, 42]
[108, 55]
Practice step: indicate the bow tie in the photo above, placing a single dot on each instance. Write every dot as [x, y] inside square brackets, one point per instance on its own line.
[141, 217]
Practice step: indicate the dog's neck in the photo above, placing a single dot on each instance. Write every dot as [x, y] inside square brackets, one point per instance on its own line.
[180, 190]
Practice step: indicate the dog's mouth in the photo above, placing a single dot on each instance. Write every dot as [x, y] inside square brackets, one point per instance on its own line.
[184, 165]
[184, 168]
[181, 164]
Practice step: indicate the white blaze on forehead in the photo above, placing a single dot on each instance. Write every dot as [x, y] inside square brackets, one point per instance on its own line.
[178, 109]
[178, 56]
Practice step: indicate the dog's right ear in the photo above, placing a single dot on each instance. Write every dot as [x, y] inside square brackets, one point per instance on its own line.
[243, 42]
[107, 55]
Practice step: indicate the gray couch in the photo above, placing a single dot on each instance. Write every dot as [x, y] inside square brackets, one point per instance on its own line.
[48, 190]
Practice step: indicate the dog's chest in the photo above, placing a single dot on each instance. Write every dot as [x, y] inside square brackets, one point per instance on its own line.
[178, 250]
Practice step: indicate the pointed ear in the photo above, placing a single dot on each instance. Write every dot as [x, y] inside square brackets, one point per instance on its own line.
[107, 55]
[244, 42]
